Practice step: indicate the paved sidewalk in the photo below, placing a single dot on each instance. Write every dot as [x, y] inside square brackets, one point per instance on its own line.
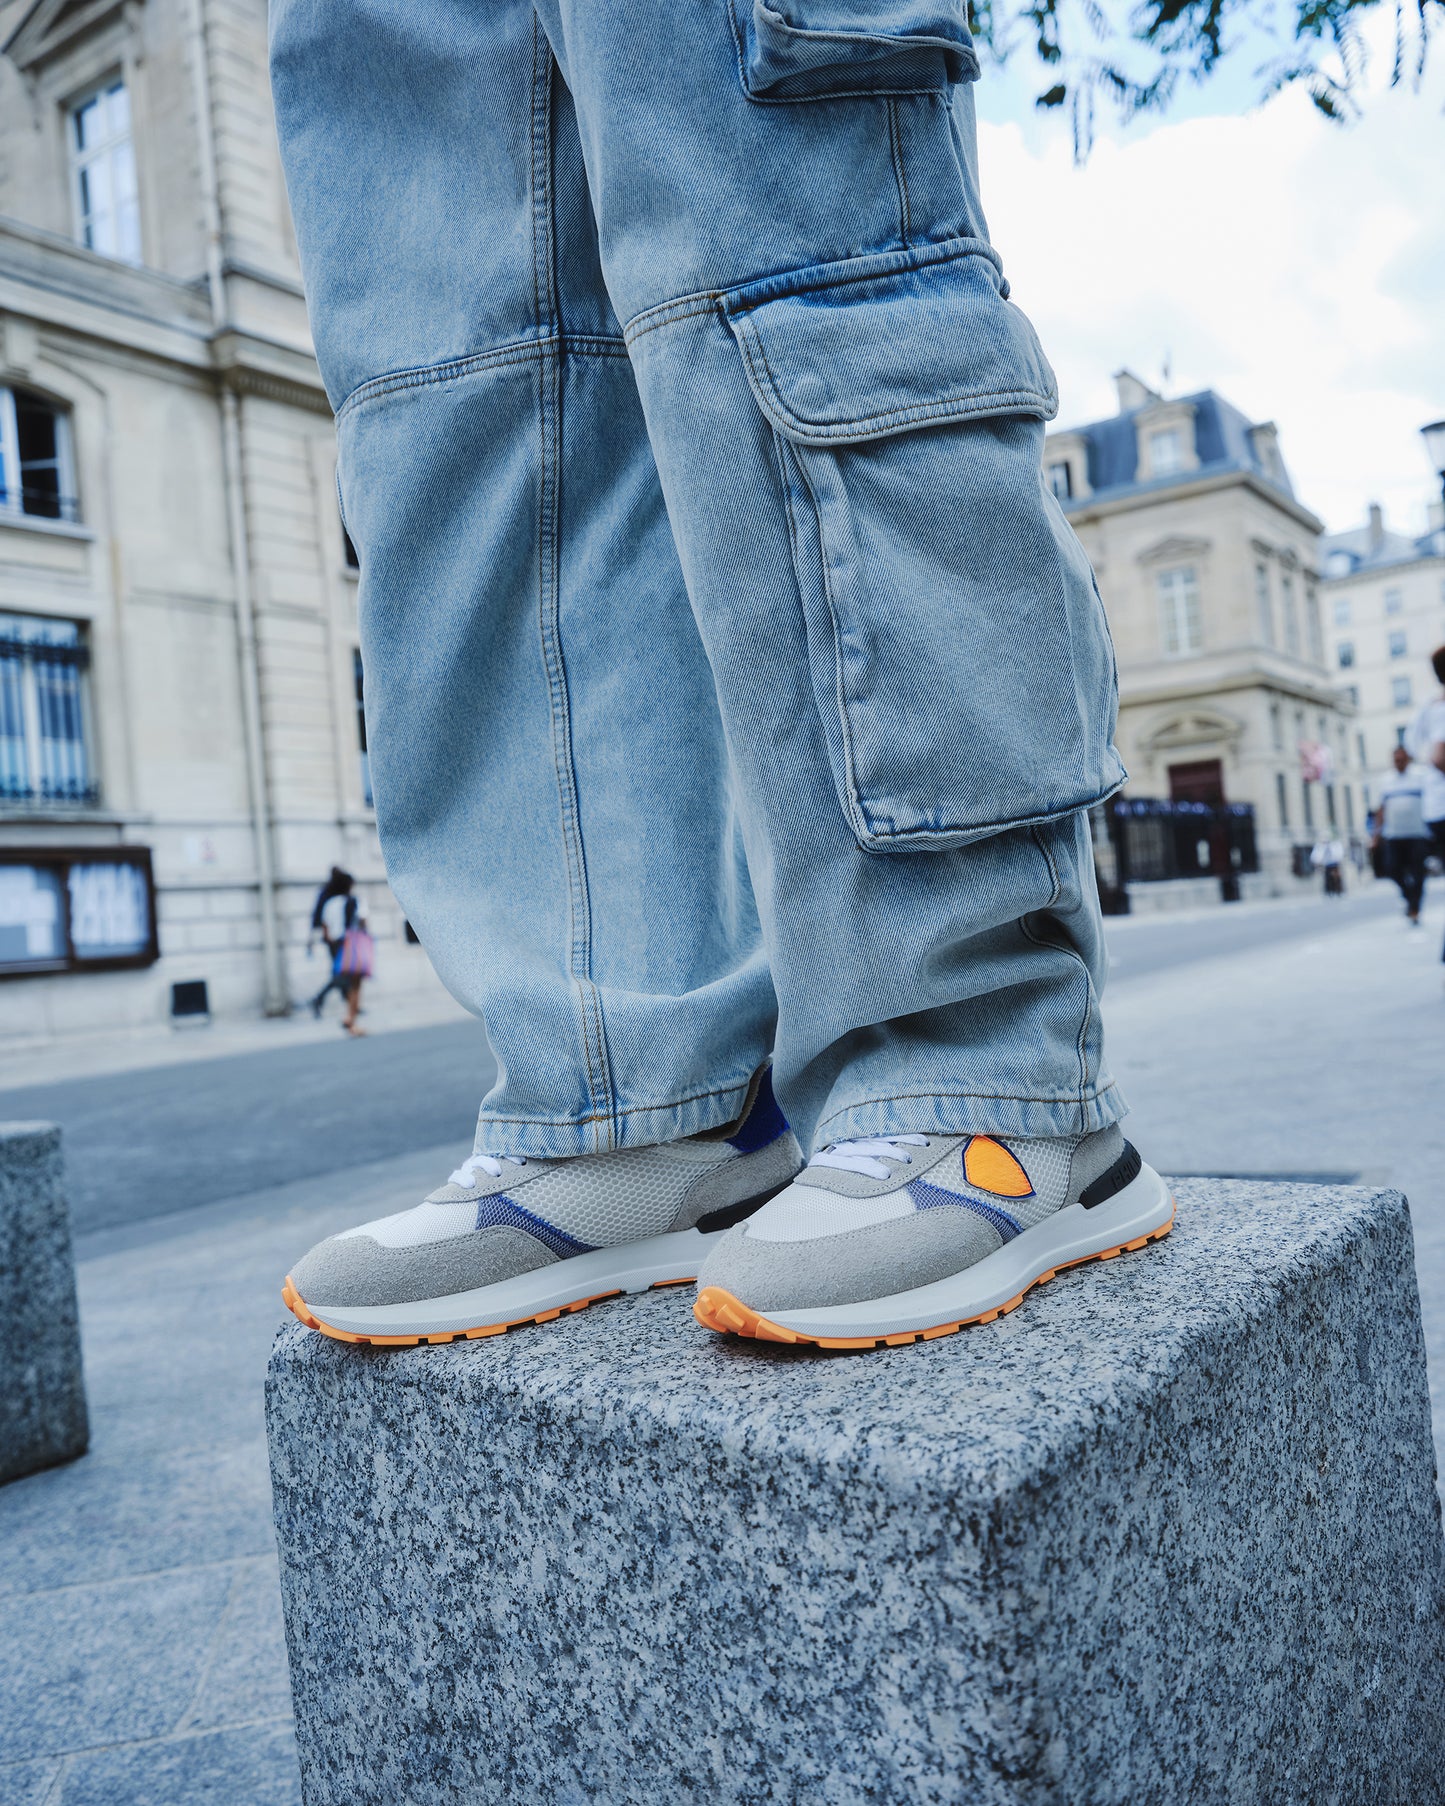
[159, 1044]
[141, 1654]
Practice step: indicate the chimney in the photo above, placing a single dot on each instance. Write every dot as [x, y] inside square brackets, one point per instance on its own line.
[1132, 392]
[1377, 526]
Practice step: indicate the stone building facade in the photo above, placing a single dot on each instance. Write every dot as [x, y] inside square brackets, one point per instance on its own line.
[1384, 598]
[179, 665]
[1209, 569]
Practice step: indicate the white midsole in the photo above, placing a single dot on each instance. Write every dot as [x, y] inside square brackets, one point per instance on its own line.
[633, 1267]
[1072, 1233]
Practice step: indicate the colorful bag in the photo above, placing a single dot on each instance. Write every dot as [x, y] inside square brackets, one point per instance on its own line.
[353, 956]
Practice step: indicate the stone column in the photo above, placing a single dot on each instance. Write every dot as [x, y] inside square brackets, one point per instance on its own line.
[42, 1389]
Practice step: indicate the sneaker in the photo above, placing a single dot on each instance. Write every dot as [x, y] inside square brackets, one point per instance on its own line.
[510, 1241]
[911, 1236]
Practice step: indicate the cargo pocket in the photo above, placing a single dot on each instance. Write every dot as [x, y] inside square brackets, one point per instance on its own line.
[958, 650]
[793, 50]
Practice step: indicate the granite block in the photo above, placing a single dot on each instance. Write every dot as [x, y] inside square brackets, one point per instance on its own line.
[42, 1389]
[1168, 1533]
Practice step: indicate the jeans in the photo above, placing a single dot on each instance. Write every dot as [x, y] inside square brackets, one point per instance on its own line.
[734, 684]
[1405, 860]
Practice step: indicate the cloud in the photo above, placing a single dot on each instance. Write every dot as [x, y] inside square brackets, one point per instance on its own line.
[1296, 267]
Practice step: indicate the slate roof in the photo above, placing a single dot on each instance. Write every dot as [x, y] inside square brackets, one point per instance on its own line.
[1390, 548]
[1221, 437]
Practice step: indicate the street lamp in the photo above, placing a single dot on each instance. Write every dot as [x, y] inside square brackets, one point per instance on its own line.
[1434, 437]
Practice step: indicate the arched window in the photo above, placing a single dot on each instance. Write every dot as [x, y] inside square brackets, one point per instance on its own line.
[36, 468]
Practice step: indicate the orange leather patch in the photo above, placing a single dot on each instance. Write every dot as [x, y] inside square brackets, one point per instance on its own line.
[991, 1167]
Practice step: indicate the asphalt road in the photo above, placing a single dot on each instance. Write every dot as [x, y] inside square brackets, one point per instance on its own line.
[168, 1138]
[146, 1144]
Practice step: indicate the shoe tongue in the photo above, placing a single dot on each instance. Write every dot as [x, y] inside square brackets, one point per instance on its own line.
[854, 1185]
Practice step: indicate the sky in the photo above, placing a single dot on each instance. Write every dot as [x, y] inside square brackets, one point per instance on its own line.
[1296, 266]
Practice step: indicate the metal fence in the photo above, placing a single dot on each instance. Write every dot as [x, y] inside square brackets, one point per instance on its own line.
[1144, 840]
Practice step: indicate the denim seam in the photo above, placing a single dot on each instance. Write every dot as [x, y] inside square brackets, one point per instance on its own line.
[670, 312]
[549, 599]
[1080, 1044]
[853, 804]
[452, 370]
[456, 368]
[987, 1097]
[579, 1122]
[801, 279]
[895, 140]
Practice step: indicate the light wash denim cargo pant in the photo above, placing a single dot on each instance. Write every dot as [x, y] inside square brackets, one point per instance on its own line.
[733, 683]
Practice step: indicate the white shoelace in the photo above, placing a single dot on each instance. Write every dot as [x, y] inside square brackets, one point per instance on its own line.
[490, 1164]
[868, 1157]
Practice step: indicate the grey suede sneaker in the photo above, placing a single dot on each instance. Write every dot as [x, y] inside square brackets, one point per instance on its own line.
[914, 1236]
[511, 1241]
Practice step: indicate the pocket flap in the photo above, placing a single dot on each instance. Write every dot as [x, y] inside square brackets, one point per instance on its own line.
[876, 345]
[821, 49]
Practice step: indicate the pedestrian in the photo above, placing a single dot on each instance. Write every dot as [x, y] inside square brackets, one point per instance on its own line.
[1401, 831]
[334, 912]
[736, 689]
[1328, 856]
[353, 963]
[1426, 741]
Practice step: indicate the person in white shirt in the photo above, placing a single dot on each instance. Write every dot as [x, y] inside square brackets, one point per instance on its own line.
[1400, 829]
[1328, 856]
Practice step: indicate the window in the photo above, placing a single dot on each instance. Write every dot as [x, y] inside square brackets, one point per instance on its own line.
[361, 728]
[76, 910]
[1352, 692]
[1397, 643]
[1345, 653]
[1394, 601]
[1291, 615]
[35, 465]
[1342, 611]
[1166, 452]
[43, 741]
[1180, 625]
[107, 212]
[1349, 810]
[1400, 693]
[1264, 604]
[1281, 796]
[1314, 627]
[1276, 728]
[1339, 564]
[1061, 480]
[1309, 805]
[1360, 752]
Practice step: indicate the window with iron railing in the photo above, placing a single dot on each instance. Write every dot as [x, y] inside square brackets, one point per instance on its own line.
[44, 740]
[36, 468]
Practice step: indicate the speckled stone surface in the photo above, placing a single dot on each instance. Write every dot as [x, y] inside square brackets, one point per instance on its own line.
[42, 1389]
[1167, 1533]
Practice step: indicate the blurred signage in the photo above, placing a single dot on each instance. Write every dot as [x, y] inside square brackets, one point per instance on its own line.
[76, 910]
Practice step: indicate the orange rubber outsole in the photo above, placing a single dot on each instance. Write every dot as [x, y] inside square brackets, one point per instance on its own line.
[718, 1310]
[299, 1308]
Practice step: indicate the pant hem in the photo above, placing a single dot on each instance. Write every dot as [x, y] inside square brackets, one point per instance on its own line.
[972, 1113]
[637, 1126]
